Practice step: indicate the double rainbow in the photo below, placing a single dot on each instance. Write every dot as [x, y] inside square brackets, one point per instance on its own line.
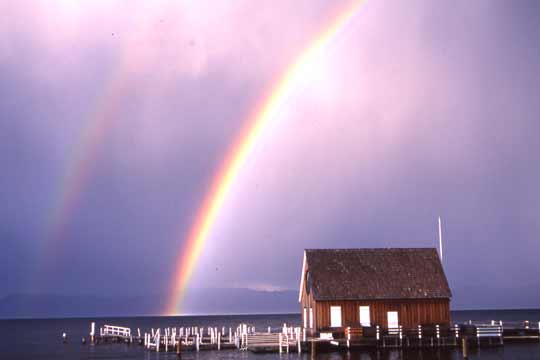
[264, 114]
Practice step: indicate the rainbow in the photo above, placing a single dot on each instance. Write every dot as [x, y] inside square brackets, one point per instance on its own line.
[257, 123]
[101, 120]
[84, 159]
[82, 162]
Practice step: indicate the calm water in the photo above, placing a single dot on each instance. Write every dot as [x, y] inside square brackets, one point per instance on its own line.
[41, 339]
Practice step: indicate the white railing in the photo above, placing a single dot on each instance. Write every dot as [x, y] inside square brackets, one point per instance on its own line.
[111, 330]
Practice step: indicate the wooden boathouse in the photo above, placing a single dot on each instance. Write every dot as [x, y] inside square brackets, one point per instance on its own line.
[359, 288]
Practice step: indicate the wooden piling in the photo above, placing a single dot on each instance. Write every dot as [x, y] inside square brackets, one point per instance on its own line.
[465, 347]
[179, 349]
[92, 331]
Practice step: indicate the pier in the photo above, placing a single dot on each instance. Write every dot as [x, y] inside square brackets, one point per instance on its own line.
[296, 339]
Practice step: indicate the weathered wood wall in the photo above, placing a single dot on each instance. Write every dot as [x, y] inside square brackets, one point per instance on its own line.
[411, 313]
[307, 303]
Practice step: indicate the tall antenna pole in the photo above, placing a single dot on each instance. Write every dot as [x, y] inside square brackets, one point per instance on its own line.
[440, 239]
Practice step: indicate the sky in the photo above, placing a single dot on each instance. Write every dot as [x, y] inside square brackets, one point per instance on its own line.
[116, 115]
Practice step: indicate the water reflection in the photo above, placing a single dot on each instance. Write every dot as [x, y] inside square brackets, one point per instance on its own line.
[394, 354]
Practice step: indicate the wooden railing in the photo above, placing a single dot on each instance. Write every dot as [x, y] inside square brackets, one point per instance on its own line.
[111, 330]
[489, 331]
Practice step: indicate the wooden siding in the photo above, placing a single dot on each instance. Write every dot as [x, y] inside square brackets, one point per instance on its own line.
[411, 313]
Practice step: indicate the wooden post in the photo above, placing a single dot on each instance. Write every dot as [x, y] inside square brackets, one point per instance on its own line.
[64, 337]
[92, 331]
[219, 341]
[197, 342]
[230, 335]
[178, 349]
[280, 342]
[465, 347]
[157, 341]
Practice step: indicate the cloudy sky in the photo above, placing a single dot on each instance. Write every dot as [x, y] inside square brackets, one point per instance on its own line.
[116, 115]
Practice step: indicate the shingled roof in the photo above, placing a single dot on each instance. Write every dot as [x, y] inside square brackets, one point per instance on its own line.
[357, 274]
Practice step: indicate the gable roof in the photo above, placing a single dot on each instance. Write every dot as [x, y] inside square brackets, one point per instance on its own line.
[395, 273]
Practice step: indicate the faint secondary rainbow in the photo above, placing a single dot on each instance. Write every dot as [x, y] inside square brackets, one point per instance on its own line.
[256, 124]
[103, 117]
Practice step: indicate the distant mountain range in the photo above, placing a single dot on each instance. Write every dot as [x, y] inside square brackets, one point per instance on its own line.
[229, 301]
[197, 302]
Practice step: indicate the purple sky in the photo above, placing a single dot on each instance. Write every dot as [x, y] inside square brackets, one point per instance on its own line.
[418, 109]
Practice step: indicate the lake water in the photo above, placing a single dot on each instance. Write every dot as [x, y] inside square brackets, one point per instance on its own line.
[41, 339]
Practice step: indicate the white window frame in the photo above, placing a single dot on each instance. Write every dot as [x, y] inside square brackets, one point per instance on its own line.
[335, 316]
[311, 318]
[388, 319]
[363, 316]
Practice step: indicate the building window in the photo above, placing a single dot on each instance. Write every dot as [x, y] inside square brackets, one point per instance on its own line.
[311, 318]
[364, 316]
[305, 318]
[393, 319]
[335, 316]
